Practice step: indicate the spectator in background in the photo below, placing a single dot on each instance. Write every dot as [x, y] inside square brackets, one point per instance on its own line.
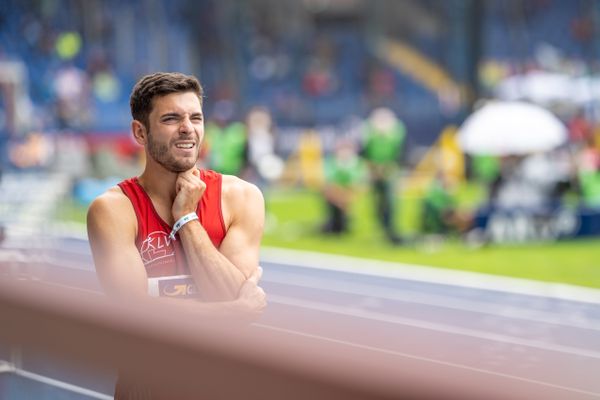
[344, 171]
[310, 159]
[319, 78]
[438, 207]
[264, 165]
[226, 141]
[580, 129]
[485, 168]
[588, 171]
[384, 139]
[381, 86]
[440, 213]
[72, 88]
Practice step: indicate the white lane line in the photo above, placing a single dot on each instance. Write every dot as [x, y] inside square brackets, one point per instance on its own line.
[431, 360]
[62, 385]
[374, 316]
[428, 274]
[407, 296]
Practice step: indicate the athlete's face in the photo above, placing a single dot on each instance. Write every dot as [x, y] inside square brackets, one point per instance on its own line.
[175, 131]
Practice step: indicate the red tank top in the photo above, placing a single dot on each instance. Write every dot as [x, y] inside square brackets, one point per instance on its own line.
[162, 256]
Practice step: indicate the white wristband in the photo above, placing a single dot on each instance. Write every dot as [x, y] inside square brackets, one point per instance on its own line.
[181, 222]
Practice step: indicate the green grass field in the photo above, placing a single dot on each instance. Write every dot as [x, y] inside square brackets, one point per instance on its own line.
[294, 217]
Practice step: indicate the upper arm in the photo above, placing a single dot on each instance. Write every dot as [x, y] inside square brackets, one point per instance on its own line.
[111, 228]
[241, 244]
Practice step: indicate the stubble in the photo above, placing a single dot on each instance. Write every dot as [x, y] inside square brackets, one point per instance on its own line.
[160, 153]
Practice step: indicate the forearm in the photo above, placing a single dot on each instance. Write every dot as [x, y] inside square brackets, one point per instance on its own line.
[216, 277]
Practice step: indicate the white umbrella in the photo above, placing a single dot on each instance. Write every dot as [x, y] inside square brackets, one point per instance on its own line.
[503, 128]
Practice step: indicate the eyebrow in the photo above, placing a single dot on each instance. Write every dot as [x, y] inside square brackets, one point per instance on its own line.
[170, 114]
[176, 114]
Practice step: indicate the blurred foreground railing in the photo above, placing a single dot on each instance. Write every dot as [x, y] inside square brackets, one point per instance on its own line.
[180, 355]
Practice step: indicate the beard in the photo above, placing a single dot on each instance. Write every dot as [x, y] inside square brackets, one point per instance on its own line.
[160, 153]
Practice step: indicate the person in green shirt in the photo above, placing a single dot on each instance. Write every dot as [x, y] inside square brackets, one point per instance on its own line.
[344, 171]
[227, 146]
[438, 208]
[384, 138]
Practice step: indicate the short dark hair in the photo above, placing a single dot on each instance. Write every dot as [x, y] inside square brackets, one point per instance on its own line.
[156, 85]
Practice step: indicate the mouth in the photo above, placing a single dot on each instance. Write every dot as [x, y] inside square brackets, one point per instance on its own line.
[185, 145]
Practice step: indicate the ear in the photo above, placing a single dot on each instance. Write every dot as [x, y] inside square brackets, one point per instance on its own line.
[139, 131]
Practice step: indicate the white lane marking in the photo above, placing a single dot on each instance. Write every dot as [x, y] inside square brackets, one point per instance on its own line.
[322, 261]
[373, 291]
[62, 385]
[374, 316]
[431, 360]
[429, 274]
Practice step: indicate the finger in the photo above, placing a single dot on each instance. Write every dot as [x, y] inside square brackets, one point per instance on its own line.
[193, 183]
[186, 176]
[178, 184]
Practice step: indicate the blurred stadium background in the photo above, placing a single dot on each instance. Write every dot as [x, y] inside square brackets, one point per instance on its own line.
[297, 94]
[313, 71]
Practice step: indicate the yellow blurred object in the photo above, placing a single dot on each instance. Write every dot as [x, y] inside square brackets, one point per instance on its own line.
[451, 157]
[444, 156]
[596, 137]
[310, 156]
[68, 45]
[416, 65]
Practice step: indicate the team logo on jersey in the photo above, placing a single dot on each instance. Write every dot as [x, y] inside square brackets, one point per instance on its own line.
[157, 245]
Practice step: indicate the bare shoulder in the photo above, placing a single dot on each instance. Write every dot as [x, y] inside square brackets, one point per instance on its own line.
[112, 206]
[241, 200]
[234, 188]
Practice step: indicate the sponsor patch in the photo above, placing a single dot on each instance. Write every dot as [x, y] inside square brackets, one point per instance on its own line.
[177, 287]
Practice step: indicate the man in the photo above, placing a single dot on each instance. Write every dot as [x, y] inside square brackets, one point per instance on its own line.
[176, 230]
[383, 147]
[344, 172]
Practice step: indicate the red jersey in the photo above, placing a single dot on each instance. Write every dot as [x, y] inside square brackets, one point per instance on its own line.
[161, 256]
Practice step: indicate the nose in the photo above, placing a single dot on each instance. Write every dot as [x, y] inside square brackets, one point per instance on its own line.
[186, 126]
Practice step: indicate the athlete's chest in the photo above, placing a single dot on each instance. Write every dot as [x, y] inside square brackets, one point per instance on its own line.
[163, 210]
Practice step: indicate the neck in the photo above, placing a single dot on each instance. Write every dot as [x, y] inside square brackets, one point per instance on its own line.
[158, 182]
